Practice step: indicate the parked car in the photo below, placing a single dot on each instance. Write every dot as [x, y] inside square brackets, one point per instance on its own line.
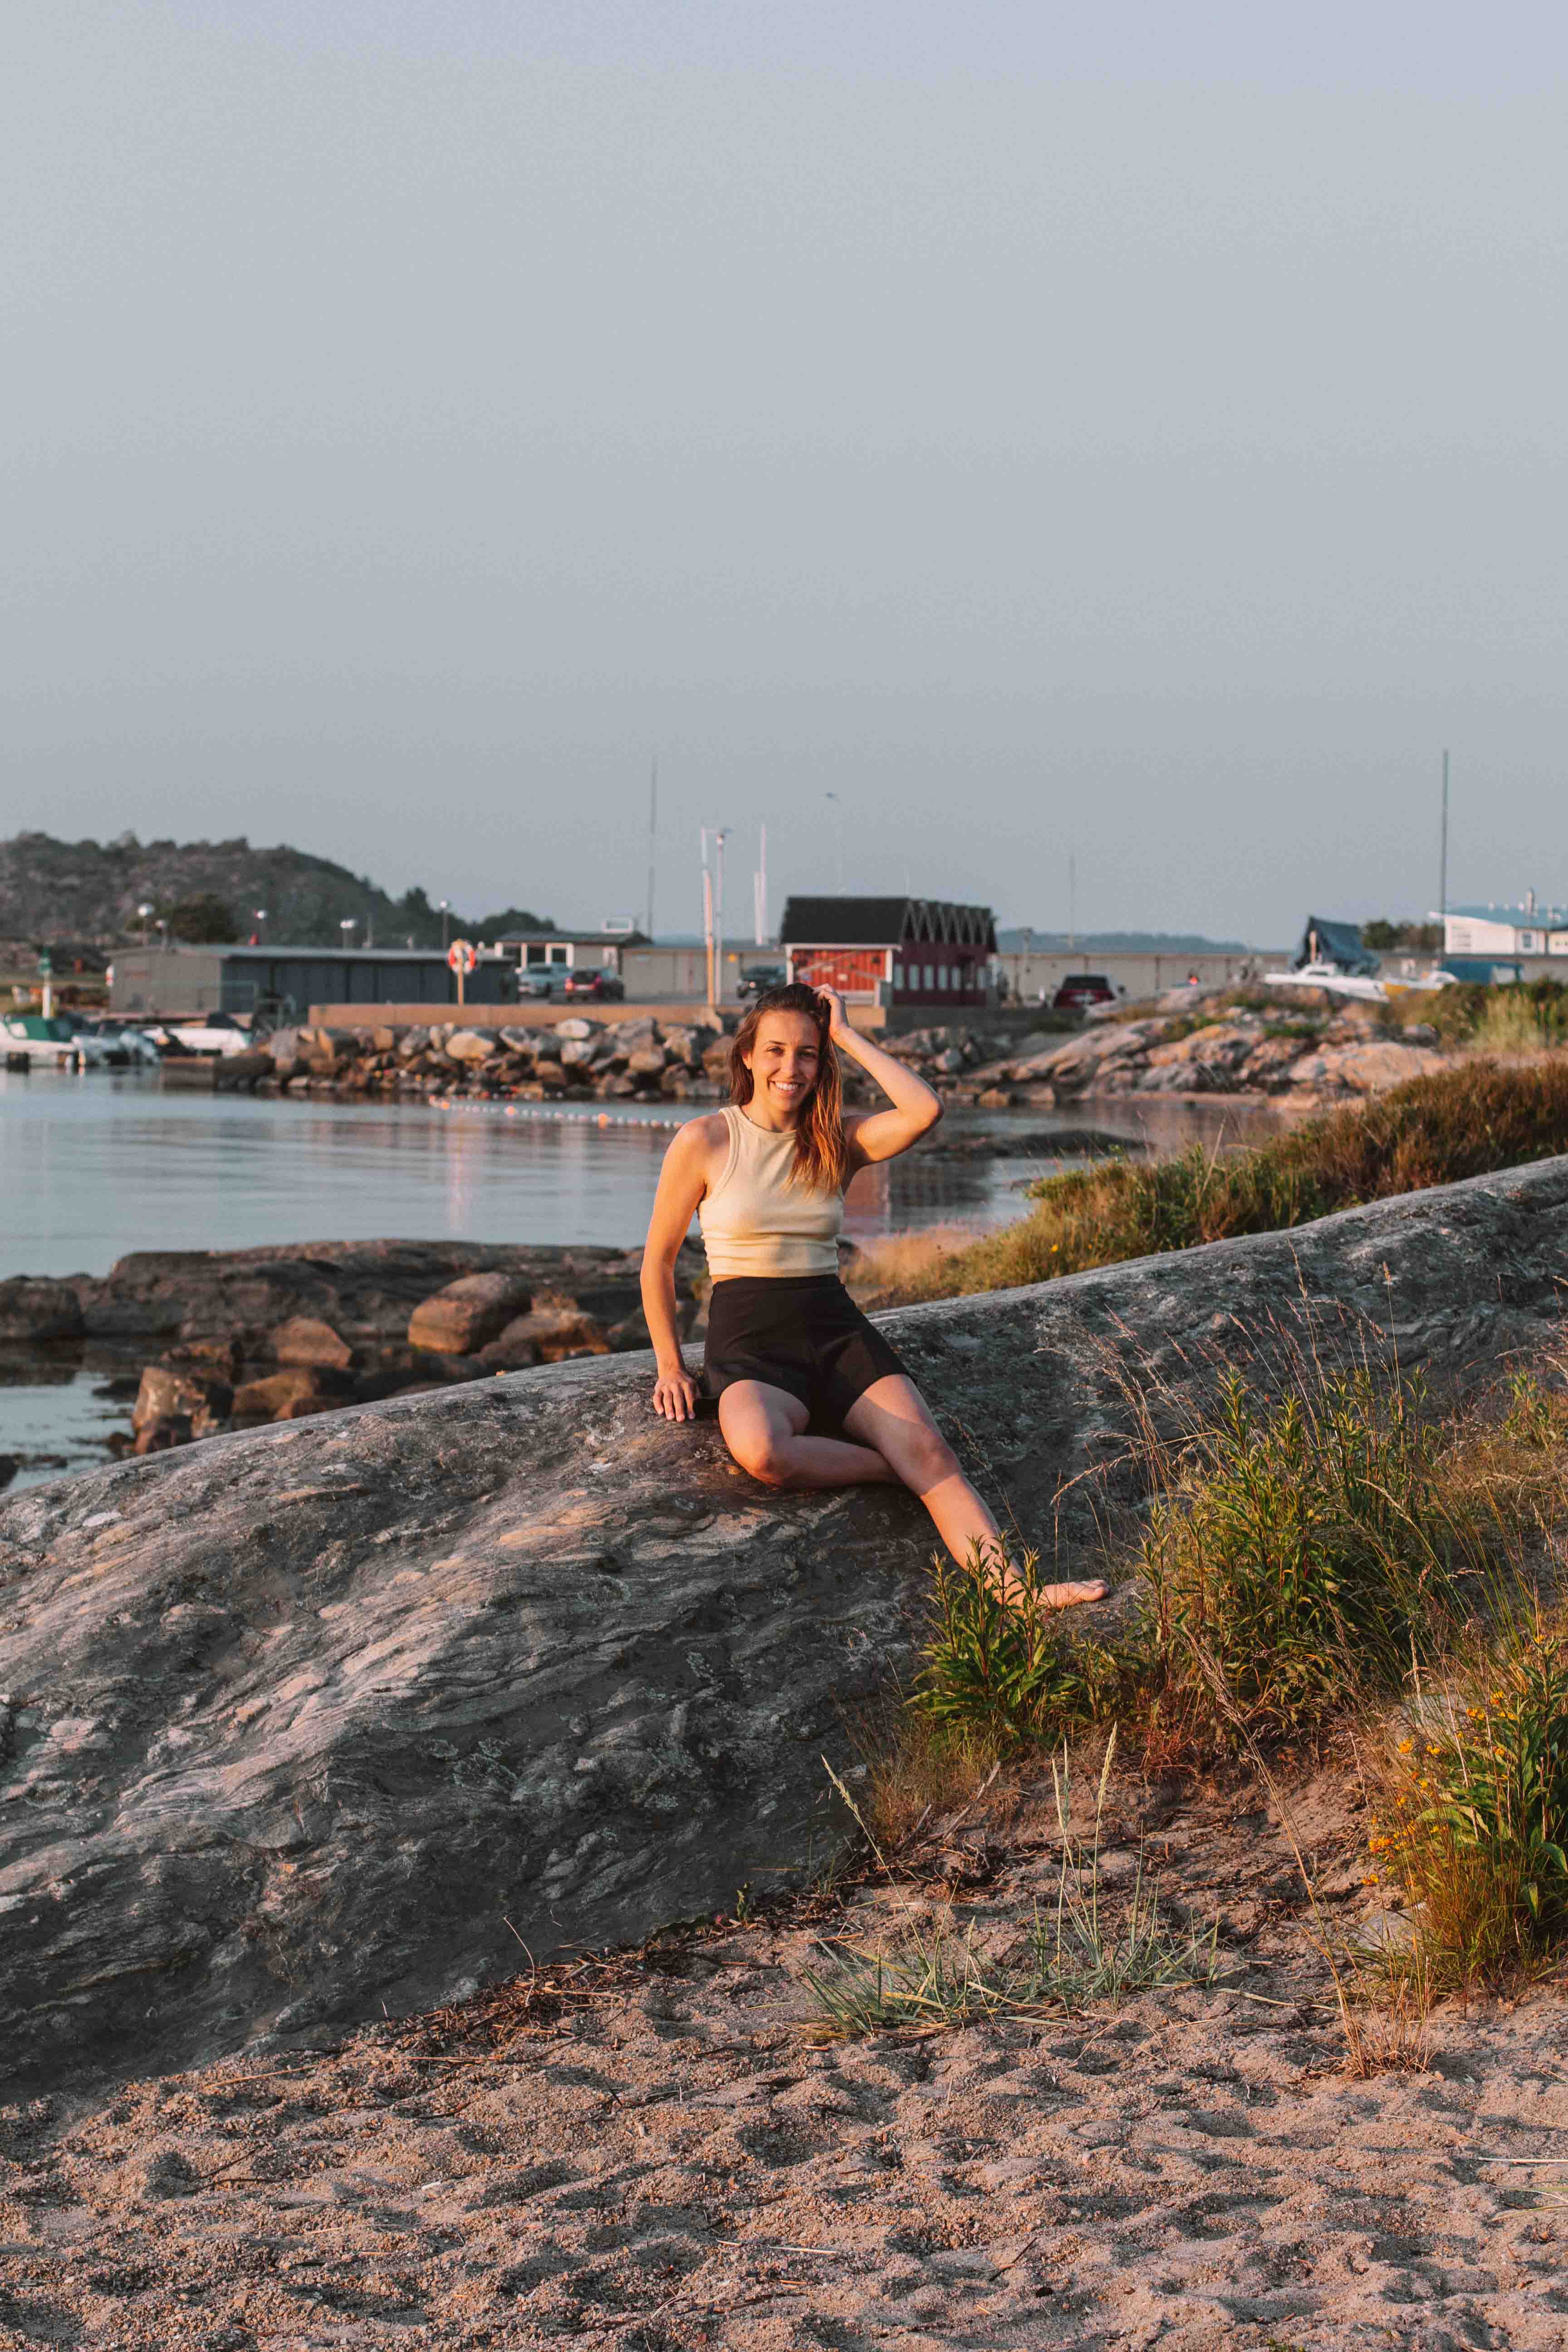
[599, 982]
[757, 977]
[542, 980]
[1081, 990]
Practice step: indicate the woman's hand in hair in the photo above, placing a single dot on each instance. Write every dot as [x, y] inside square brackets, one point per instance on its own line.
[838, 1027]
[675, 1395]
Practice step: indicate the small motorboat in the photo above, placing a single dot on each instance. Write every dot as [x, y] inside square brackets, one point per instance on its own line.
[50, 1042]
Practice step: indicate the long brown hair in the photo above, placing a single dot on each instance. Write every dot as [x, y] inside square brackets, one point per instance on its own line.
[821, 1152]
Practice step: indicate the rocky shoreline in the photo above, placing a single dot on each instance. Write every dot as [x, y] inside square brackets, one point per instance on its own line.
[1296, 1044]
[249, 1337]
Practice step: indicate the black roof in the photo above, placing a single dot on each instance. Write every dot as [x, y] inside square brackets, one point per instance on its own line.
[884, 922]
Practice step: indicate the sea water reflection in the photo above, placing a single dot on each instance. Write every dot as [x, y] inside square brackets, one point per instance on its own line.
[95, 1166]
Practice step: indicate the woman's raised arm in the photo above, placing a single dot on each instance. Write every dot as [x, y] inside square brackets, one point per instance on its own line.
[882, 1134]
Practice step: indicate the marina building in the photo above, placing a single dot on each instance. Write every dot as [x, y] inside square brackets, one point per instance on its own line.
[893, 951]
[286, 982]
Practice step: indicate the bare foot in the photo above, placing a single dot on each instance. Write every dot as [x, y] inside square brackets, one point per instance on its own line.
[1016, 1595]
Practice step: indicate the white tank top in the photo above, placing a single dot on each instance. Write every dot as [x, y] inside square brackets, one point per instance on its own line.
[755, 1220]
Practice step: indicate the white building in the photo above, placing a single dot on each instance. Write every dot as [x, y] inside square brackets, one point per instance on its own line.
[1526, 929]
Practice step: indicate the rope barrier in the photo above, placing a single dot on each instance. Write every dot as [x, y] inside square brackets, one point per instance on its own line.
[602, 1118]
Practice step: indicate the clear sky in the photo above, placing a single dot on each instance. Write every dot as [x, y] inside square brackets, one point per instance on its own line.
[1135, 430]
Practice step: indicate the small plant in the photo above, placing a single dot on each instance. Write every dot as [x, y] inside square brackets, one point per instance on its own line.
[997, 1658]
[1298, 1548]
[1474, 1825]
[1072, 1956]
[1529, 1420]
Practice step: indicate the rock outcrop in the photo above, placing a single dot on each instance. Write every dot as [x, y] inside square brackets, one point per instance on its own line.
[346, 1322]
[332, 1715]
[1282, 1050]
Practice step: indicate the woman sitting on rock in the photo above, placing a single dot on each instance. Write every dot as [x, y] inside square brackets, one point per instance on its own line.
[811, 1394]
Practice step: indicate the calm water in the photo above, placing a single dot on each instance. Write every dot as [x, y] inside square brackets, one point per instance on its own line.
[94, 1166]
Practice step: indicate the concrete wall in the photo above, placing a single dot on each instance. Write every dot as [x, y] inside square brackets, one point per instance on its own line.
[528, 1015]
[672, 975]
[1141, 972]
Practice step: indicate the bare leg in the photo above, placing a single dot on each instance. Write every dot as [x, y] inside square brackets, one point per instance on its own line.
[892, 1417]
[763, 1428]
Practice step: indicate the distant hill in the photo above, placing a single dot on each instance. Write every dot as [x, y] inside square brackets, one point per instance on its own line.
[1016, 938]
[91, 890]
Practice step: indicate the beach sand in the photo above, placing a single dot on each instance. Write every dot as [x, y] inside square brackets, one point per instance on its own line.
[661, 2154]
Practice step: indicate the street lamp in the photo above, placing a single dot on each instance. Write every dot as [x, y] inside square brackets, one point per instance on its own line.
[446, 923]
[347, 929]
[261, 923]
[145, 913]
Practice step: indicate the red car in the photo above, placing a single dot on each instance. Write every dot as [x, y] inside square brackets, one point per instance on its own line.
[600, 982]
[1080, 991]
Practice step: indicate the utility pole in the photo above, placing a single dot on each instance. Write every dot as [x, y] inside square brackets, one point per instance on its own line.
[760, 891]
[1072, 901]
[652, 836]
[706, 916]
[1442, 854]
[719, 917]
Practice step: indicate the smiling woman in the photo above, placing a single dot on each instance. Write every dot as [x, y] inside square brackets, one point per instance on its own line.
[810, 1393]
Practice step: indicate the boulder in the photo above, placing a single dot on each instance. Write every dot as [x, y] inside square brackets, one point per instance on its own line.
[158, 1436]
[412, 1043]
[306, 1339]
[470, 1044]
[550, 1074]
[577, 1052]
[647, 1062]
[576, 1030]
[33, 1308]
[329, 1715]
[168, 1390]
[545, 1335]
[269, 1398]
[521, 1041]
[467, 1313]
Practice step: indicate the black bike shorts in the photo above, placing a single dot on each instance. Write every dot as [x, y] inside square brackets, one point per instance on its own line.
[802, 1333]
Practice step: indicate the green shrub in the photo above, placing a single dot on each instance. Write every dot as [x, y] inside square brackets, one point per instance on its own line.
[1297, 1554]
[1012, 1670]
[1476, 1826]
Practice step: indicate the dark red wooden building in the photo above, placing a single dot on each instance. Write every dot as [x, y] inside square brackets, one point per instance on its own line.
[891, 951]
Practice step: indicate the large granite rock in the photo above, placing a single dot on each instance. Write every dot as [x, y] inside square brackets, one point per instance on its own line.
[332, 1715]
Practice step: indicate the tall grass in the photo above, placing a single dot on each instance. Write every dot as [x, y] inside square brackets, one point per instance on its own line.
[1475, 1824]
[1301, 1547]
[1432, 1130]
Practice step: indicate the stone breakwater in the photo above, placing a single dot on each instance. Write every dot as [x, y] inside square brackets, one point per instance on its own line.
[1278, 1051]
[327, 1715]
[639, 1059]
[280, 1333]
[1305, 1050]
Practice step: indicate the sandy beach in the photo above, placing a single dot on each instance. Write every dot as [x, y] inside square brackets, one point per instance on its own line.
[664, 2153]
